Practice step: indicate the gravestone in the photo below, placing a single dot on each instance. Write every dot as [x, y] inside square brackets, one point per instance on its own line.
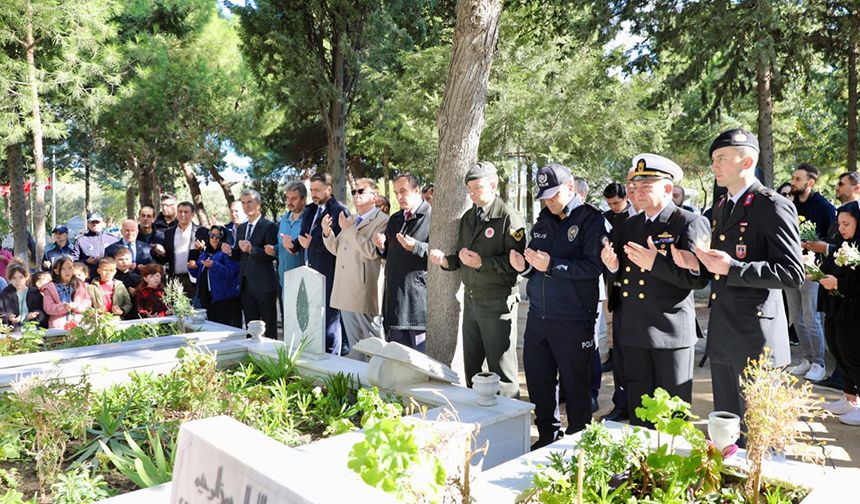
[393, 365]
[304, 309]
[222, 460]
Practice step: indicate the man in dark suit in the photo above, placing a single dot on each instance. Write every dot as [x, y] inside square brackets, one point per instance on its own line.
[754, 253]
[237, 217]
[620, 209]
[324, 206]
[659, 323]
[140, 251]
[258, 282]
[181, 246]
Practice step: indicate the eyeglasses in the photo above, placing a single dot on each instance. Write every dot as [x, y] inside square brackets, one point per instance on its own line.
[215, 235]
[361, 191]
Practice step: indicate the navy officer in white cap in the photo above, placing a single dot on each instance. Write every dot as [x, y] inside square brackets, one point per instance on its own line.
[562, 263]
[658, 327]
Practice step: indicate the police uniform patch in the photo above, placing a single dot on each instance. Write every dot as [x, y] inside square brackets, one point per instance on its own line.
[572, 232]
[740, 251]
[542, 179]
[489, 232]
[518, 235]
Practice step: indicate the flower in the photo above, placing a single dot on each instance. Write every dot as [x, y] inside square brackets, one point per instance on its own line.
[70, 325]
[807, 228]
[847, 255]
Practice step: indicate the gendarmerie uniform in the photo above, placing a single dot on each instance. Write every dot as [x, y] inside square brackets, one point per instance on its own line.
[490, 296]
[659, 322]
[759, 230]
[559, 334]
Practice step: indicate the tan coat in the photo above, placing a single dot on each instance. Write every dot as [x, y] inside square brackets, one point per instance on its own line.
[357, 266]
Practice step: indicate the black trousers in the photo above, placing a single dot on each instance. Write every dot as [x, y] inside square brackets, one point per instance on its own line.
[725, 383]
[559, 349]
[842, 340]
[261, 306]
[619, 397]
[648, 368]
[227, 311]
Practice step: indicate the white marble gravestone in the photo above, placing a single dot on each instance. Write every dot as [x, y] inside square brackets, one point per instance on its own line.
[393, 365]
[304, 309]
[222, 460]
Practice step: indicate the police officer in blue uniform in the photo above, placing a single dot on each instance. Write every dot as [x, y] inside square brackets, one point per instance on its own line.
[659, 322]
[562, 263]
[754, 253]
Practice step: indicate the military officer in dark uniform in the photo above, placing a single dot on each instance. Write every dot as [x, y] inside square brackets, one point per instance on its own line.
[753, 254]
[562, 263]
[488, 232]
[659, 322]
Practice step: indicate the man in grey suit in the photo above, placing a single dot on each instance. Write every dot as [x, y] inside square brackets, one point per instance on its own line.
[754, 253]
[656, 296]
[357, 265]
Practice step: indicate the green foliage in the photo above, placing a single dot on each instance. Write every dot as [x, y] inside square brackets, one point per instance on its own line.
[77, 486]
[31, 339]
[107, 429]
[389, 458]
[177, 302]
[144, 468]
[281, 367]
[97, 328]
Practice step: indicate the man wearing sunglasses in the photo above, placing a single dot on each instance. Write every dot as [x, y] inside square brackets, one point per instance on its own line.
[358, 265]
[319, 258]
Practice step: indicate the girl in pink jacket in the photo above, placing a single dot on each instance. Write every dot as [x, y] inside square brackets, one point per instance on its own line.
[66, 298]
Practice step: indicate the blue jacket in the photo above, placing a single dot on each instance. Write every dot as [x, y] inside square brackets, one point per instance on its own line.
[223, 276]
[53, 252]
[569, 289]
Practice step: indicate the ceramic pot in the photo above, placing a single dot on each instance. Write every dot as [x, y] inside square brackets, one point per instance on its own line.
[486, 385]
[256, 329]
[724, 428]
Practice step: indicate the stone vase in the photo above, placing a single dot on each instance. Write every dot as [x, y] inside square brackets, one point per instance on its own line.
[486, 385]
[256, 329]
[724, 428]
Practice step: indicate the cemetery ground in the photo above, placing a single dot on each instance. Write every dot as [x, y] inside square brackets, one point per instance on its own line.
[843, 441]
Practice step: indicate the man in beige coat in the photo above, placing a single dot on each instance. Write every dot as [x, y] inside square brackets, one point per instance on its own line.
[357, 265]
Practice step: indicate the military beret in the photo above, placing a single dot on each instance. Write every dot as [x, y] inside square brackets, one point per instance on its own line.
[480, 170]
[734, 138]
[550, 178]
[651, 166]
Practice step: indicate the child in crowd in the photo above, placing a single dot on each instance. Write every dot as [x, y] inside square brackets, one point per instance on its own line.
[19, 302]
[109, 295]
[66, 298]
[82, 272]
[149, 298]
[39, 279]
[125, 272]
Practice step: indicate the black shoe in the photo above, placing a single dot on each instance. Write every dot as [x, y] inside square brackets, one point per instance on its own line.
[606, 367]
[616, 415]
[832, 382]
[594, 405]
[546, 440]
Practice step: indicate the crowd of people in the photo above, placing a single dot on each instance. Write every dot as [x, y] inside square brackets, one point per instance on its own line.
[633, 267]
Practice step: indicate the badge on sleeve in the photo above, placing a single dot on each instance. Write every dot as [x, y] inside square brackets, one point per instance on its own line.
[740, 251]
[572, 232]
[489, 232]
[749, 199]
[518, 235]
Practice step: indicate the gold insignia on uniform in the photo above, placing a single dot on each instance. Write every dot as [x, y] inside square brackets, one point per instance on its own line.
[518, 235]
[641, 165]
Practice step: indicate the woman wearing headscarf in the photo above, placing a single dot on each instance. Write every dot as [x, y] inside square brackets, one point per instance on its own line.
[218, 280]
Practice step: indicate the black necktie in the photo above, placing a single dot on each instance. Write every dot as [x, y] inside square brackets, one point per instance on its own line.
[479, 215]
[248, 231]
[727, 211]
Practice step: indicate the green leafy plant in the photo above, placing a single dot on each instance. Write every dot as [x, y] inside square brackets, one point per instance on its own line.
[282, 366]
[389, 458]
[144, 469]
[176, 301]
[108, 428]
[77, 486]
[31, 339]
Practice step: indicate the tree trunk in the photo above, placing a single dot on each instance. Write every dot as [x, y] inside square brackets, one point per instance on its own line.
[18, 201]
[852, 109]
[144, 183]
[386, 174]
[152, 174]
[38, 188]
[764, 75]
[130, 203]
[196, 195]
[225, 186]
[529, 202]
[460, 122]
[88, 199]
[336, 123]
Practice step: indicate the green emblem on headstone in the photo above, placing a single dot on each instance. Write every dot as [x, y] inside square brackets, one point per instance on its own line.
[302, 309]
